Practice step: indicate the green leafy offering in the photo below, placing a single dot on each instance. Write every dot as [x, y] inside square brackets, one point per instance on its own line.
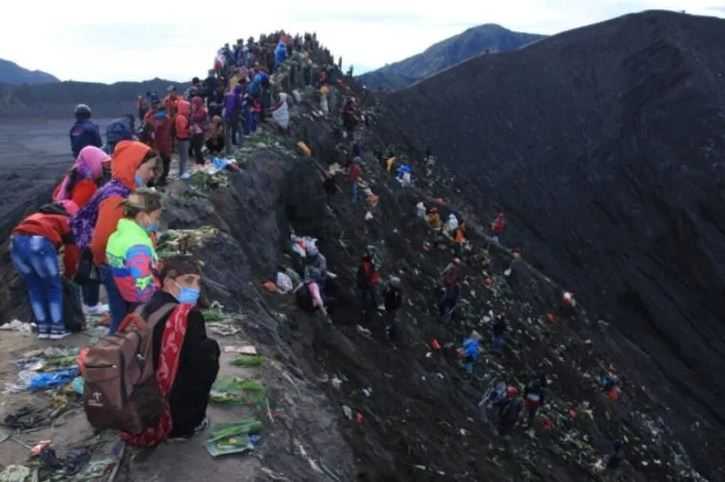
[233, 438]
[248, 361]
[235, 390]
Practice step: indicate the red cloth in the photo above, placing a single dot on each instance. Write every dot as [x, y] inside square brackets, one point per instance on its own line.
[168, 366]
[499, 225]
[355, 172]
[83, 191]
[54, 227]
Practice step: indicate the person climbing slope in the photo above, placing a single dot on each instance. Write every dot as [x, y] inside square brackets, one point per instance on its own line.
[34, 246]
[509, 411]
[534, 398]
[186, 361]
[450, 288]
[470, 351]
[354, 175]
[133, 165]
[368, 280]
[393, 300]
[84, 132]
[79, 186]
[130, 250]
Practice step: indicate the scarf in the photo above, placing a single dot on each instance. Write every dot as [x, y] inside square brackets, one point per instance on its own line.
[168, 366]
[88, 165]
[83, 223]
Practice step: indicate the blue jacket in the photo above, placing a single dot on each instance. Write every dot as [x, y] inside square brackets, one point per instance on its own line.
[280, 53]
[84, 133]
[470, 348]
[255, 86]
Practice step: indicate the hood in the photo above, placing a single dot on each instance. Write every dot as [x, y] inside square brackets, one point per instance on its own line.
[126, 158]
[90, 162]
[183, 108]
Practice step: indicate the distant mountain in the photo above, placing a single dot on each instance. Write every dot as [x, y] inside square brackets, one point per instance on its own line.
[474, 41]
[12, 73]
[58, 99]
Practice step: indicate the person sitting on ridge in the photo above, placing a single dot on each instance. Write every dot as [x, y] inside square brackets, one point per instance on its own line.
[185, 359]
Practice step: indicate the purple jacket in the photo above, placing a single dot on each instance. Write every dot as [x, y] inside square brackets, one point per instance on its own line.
[233, 104]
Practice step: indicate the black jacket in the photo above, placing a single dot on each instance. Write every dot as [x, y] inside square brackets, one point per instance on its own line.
[393, 298]
[198, 367]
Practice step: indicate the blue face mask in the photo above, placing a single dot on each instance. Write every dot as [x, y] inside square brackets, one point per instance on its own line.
[139, 181]
[187, 296]
[152, 228]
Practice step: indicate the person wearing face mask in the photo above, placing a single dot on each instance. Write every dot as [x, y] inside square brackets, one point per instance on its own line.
[131, 256]
[185, 359]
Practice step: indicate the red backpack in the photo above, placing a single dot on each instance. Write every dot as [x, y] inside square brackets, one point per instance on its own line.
[120, 387]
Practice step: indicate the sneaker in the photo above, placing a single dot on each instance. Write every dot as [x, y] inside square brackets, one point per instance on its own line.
[199, 428]
[98, 310]
[58, 334]
[44, 332]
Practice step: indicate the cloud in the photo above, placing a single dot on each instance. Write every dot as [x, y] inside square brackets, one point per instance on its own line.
[146, 39]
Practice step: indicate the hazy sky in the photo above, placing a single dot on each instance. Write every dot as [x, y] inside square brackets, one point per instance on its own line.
[136, 40]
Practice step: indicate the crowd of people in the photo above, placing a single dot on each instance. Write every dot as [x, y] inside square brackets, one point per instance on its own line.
[105, 219]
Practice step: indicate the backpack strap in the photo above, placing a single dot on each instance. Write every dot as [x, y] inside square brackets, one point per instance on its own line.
[159, 314]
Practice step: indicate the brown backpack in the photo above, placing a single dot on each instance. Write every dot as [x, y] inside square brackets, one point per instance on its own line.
[120, 385]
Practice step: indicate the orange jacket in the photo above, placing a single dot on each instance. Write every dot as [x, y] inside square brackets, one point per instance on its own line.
[125, 161]
[182, 120]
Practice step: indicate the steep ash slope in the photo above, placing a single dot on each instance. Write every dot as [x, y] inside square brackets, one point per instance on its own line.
[605, 147]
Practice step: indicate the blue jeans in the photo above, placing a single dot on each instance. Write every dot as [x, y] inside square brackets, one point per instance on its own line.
[36, 259]
[354, 191]
[118, 306]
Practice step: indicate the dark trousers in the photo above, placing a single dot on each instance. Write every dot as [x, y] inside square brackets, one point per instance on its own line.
[197, 141]
[190, 394]
[118, 306]
[368, 301]
[91, 293]
[166, 161]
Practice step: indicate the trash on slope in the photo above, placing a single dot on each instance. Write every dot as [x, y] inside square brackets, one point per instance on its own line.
[19, 326]
[234, 437]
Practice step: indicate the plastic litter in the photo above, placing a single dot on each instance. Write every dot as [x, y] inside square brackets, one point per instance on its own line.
[242, 350]
[78, 385]
[284, 283]
[234, 438]
[19, 326]
[44, 381]
[14, 473]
